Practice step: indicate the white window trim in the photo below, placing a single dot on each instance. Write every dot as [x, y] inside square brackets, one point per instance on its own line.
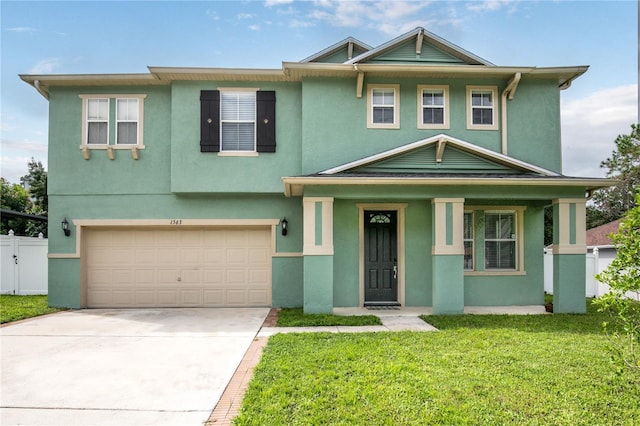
[84, 145]
[231, 153]
[420, 106]
[396, 106]
[494, 95]
[520, 266]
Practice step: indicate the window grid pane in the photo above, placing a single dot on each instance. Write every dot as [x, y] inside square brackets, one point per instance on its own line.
[97, 121]
[383, 115]
[127, 133]
[238, 137]
[383, 97]
[500, 241]
[237, 117]
[97, 133]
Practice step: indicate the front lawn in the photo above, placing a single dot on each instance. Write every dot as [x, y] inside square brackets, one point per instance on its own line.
[13, 308]
[295, 317]
[497, 370]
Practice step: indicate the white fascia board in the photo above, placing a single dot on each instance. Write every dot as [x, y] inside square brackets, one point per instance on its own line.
[335, 47]
[294, 186]
[438, 41]
[466, 146]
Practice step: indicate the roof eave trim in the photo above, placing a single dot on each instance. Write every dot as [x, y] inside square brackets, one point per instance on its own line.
[301, 181]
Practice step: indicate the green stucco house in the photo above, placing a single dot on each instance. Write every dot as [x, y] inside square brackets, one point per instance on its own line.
[414, 173]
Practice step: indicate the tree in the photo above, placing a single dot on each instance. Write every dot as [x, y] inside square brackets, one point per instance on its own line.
[624, 165]
[14, 197]
[36, 182]
[623, 276]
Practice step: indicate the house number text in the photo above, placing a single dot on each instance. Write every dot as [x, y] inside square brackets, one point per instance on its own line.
[176, 222]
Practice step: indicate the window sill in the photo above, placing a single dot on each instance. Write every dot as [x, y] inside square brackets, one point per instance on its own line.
[493, 273]
[482, 127]
[434, 126]
[383, 126]
[110, 149]
[122, 146]
[238, 154]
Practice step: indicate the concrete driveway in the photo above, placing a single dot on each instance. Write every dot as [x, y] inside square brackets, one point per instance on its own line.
[122, 367]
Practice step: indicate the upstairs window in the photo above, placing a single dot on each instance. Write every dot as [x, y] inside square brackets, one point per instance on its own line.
[112, 121]
[382, 106]
[238, 121]
[433, 107]
[482, 111]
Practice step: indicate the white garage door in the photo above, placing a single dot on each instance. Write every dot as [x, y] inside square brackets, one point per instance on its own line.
[178, 267]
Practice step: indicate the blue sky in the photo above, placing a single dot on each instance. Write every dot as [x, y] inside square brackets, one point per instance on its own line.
[51, 37]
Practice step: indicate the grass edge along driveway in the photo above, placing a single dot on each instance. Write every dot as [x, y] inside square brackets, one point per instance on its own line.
[479, 369]
[14, 307]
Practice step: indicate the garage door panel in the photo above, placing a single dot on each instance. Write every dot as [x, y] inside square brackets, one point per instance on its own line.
[168, 255]
[191, 238]
[259, 276]
[191, 297]
[257, 296]
[146, 277]
[145, 256]
[178, 267]
[122, 276]
[191, 256]
[189, 276]
[146, 297]
[236, 277]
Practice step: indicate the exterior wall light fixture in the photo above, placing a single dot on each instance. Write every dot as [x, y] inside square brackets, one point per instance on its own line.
[284, 223]
[65, 227]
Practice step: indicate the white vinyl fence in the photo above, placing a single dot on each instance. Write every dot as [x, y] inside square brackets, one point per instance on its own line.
[596, 262]
[24, 265]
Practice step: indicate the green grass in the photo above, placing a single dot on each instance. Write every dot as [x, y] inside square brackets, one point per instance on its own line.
[295, 317]
[13, 308]
[478, 370]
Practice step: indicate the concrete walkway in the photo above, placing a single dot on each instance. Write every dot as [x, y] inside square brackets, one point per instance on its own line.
[389, 323]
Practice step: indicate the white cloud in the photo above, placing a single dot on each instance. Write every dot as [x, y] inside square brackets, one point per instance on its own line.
[390, 17]
[270, 3]
[491, 5]
[212, 14]
[246, 16]
[296, 23]
[22, 30]
[254, 27]
[46, 66]
[590, 126]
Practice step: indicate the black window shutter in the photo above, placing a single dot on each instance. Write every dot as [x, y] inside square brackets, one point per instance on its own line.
[209, 121]
[266, 121]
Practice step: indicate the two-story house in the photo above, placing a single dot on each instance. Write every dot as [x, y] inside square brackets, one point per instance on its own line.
[414, 174]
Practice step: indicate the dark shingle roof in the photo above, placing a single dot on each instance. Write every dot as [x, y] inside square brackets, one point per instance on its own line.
[599, 236]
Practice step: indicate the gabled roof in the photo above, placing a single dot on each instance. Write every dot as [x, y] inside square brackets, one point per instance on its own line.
[349, 46]
[440, 143]
[423, 41]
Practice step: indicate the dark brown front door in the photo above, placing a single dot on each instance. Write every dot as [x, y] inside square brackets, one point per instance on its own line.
[380, 257]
